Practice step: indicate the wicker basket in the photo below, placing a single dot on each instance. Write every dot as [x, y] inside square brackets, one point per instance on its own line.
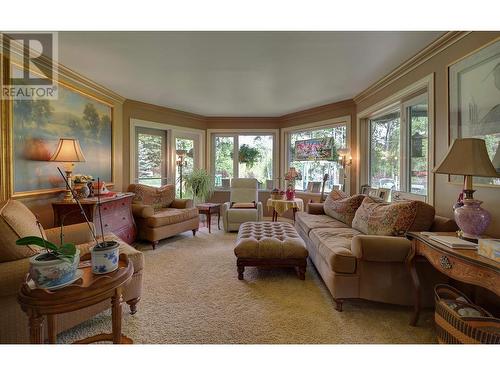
[454, 328]
[276, 196]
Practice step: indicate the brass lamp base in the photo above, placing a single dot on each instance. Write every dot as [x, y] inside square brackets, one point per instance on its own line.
[68, 196]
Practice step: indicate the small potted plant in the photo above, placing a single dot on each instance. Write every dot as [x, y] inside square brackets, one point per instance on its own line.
[56, 266]
[201, 184]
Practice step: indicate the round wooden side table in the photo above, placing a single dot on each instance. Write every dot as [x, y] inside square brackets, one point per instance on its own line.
[89, 290]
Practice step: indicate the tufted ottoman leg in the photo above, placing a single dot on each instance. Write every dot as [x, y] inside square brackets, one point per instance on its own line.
[241, 269]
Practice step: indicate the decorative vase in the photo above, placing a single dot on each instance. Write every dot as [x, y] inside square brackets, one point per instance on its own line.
[290, 194]
[104, 257]
[49, 273]
[472, 219]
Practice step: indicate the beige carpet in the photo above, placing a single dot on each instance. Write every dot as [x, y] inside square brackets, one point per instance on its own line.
[192, 295]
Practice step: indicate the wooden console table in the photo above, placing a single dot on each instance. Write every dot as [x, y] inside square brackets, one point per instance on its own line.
[460, 264]
[89, 290]
[116, 215]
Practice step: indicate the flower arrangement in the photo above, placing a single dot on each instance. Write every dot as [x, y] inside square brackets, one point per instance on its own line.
[277, 194]
[81, 178]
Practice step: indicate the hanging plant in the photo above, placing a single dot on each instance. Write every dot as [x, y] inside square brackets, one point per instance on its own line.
[248, 155]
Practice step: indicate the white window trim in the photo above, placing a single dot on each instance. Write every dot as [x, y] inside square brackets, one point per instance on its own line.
[318, 125]
[362, 129]
[235, 132]
[173, 132]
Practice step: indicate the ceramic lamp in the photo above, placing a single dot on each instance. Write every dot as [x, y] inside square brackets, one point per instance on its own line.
[469, 157]
[68, 152]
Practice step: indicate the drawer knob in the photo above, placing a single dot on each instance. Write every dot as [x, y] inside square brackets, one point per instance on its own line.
[445, 262]
[105, 225]
[124, 218]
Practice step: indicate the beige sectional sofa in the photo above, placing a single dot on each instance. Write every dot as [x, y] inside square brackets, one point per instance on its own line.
[372, 267]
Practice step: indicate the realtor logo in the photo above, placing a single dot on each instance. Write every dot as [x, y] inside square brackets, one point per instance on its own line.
[32, 73]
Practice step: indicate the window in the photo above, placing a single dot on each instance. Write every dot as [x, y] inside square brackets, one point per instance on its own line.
[313, 170]
[184, 149]
[385, 151]
[399, 147]
[150, 161]
[253, 160]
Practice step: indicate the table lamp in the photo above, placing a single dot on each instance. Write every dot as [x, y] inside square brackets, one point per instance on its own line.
[68, 152]
[469, 157]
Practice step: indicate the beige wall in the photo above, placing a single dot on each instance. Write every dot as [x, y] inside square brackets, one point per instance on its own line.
[445, 193]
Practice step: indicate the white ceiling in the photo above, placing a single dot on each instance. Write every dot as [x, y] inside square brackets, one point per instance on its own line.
[238, 73]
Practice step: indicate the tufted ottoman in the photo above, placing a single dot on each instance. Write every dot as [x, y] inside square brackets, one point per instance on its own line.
[270, 244]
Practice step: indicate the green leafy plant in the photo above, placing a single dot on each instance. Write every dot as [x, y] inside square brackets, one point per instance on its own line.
[249, 155]
[65, 251]
[200, 183]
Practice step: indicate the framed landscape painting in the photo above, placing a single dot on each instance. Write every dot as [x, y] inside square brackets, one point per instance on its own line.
[474, 92]
[37, 126]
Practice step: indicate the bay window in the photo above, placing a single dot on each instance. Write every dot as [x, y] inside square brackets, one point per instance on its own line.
[314, 153]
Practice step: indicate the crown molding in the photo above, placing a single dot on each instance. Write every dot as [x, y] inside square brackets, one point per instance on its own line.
[344, 104]
[437, 46]
[161, 109]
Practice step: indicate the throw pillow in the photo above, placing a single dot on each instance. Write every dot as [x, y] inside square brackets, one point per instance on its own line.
[167, 195]
[384, 219]
[16, 221]
[343, 209]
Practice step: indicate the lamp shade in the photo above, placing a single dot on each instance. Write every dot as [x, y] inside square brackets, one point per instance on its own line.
[496, 159]
[68, 150]
[468, 157]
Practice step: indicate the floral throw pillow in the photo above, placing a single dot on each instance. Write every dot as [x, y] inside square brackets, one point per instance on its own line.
[384, 219]
[343, 209]
[156, 197]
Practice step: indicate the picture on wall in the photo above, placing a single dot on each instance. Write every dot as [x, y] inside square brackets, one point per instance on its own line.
[37, 126]
[474, 89]
[315, 149]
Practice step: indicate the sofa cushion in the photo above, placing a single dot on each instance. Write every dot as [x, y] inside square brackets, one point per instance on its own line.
[343, 209]
[241, 215]
[153, 196]
[308, 221]
[16, 221]
[385, 219]
[135, 256]
[334, 246]
[168, 216]
[424, 217]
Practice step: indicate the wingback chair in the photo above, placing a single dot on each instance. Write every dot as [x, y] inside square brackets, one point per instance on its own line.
[234, 213]
[17, 221]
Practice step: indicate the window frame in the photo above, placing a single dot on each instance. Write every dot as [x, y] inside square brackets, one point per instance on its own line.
[212, 133]
[325, 124]
[423, 86]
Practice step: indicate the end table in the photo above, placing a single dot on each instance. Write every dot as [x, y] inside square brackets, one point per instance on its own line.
[208, 209]
[89, 290]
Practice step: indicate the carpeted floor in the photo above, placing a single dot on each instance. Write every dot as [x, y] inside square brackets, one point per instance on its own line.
[192, 295]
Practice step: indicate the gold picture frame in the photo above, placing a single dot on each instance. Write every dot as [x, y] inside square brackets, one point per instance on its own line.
[8, 188]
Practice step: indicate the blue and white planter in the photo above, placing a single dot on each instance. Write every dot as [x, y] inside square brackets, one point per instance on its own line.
[50, 274]
[105, 258]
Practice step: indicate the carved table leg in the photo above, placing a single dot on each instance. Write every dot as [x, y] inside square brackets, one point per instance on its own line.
[116, 313]
[416, 291]
[36, 327]
[294, 212]
[133, 305]
[218, 219]
[209, 221]
[51, 328]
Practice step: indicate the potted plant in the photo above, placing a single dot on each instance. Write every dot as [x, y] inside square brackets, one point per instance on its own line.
[56, 266]
[248, 155]
[201, 184]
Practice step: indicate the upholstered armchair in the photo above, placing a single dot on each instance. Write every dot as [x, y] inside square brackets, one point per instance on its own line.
[243, 204]
[17, 221]
[158, 214]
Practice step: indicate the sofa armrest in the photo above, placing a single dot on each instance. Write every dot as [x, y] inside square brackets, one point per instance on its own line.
[142, 210]
[75, 233]
[381, 248]
[12, 274]
[182, 203]
[315, 208]
[443, 224]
